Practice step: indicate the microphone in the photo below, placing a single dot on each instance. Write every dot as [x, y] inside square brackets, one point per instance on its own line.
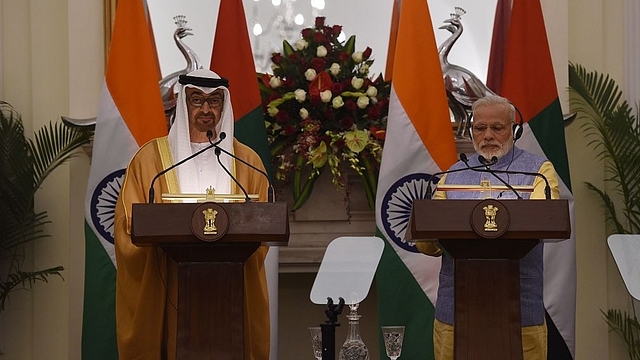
[547, 187]
[486, 163]
[209, 135]
[271, 191]
[217, 151]
[430, 192]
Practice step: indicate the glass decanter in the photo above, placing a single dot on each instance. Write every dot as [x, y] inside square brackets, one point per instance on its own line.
[354, 348]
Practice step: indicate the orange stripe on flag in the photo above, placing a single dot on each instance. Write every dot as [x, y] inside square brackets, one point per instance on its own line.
[388, 74]
[417, 80]
[132, 73]
[232, 38]
[530, 85]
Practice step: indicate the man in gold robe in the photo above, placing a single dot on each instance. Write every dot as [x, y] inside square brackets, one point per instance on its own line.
[146, 283]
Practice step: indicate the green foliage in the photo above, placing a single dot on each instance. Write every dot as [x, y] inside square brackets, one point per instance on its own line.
[24, 165]
[614, 133]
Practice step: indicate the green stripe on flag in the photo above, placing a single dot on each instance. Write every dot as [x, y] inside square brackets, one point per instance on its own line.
[550, 135]
[250, 130]
[417, 314]
[99, 301]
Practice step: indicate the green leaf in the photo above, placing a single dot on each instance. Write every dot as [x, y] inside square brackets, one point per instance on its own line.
[350, 45]
[287, 49]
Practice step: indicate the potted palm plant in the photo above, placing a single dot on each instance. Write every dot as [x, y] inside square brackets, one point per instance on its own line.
[612, 125]
[24, 165]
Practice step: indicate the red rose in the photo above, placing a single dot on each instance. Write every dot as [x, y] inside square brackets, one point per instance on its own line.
[337, 29]
[337, 88]
[276, 58]
[343, 56]
[318, 64]
[319, 38]
[351, 105]
[347, 122]
[289, 130]
[306, 33]
[282, 116]
[320, 21]
[374, 112]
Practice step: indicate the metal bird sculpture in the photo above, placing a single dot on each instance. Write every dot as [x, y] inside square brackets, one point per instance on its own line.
[462, 86]
[167, 84]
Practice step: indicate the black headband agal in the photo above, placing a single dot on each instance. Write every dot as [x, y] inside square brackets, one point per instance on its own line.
[203, 82]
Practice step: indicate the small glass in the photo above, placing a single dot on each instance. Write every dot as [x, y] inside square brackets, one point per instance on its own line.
[393, 337]
[316, 341]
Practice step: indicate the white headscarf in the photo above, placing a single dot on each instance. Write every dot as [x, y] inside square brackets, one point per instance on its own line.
[196, 175]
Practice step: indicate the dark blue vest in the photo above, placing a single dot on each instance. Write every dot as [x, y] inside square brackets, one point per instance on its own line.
[531, 266]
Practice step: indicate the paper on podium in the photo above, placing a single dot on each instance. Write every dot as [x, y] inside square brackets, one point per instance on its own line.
[347, 270]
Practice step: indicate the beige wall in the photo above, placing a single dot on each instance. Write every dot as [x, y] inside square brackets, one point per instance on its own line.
[52, 65]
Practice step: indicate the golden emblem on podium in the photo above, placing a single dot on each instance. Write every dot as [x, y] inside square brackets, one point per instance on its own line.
[210, 221]
[490, 212]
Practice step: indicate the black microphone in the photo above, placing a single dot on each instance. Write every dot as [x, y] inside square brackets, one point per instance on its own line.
[217, 151]
[547, 187]
[271, 192]
[209, 134]
[430, 192]
[486, 164]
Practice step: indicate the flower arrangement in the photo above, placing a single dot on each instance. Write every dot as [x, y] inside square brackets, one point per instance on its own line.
[323, 110]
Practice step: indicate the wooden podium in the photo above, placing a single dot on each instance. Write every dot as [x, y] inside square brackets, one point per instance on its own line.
[210, 266]
[486, 239]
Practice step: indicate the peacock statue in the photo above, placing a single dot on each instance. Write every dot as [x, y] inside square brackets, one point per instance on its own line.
[462, 86]
[167, 83]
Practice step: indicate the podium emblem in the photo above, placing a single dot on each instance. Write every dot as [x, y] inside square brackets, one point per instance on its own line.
[490, 214]
[209, 221]
[490, 219]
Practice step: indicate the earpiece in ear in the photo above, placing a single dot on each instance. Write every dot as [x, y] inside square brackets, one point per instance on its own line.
[517, 131]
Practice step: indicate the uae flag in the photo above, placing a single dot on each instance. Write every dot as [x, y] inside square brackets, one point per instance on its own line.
[419, 142]
[130, 113]
[528, 81]
[232, 58]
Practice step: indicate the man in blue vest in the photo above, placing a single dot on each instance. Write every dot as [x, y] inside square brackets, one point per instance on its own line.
[494, 133]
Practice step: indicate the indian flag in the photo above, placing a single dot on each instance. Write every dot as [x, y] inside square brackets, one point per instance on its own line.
[232, 58]
[529, 82]
[419, 142]
[130, 114]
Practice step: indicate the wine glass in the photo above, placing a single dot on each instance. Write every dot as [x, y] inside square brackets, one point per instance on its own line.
[316, 341]
[393, 336]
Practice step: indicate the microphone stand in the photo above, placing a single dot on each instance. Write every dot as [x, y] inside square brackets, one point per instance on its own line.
[271, 193]
[490, 171]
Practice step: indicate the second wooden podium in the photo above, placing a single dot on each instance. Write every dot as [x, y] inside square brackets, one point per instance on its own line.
[486, 239]
[210, 242]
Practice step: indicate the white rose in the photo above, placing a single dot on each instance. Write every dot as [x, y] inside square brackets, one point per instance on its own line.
[272, 111]
[337, 102]
[363, 101]
[357, 57]
[310, 74]
[301, 44]
[334, 69]
[304, 113]
[300, 95]
[372, 91]
[321, 51]
[275, 82]
[357, 82]
[326, 95]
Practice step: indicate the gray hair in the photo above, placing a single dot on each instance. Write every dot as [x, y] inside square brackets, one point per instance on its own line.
[495, 100]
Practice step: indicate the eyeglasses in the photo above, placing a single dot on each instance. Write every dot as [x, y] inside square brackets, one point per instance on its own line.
[496, 128]
[198, 101]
